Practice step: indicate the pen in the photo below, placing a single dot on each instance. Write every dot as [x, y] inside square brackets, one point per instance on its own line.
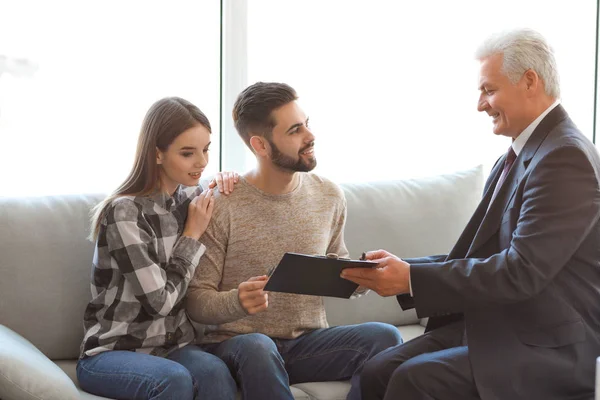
[363, 257]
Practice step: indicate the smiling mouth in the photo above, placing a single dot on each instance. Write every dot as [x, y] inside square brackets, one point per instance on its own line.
[308, 152]
[195, 175]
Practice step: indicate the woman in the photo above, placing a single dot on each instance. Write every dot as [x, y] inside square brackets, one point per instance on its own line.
[137, 334]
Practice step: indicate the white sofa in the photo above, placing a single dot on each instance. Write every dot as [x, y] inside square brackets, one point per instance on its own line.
[45, 263]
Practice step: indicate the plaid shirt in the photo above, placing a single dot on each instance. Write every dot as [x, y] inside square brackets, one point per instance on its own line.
[141, 270]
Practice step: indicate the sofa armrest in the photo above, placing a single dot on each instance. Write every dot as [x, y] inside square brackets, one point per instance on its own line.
[27, 374]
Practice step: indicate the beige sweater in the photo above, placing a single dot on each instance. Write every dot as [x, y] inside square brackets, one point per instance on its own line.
[248, 234]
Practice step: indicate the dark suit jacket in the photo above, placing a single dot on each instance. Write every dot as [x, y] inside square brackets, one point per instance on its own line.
[525, 276]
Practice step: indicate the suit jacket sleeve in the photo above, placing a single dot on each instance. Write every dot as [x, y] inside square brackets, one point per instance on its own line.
[561, 203]
[406, 301]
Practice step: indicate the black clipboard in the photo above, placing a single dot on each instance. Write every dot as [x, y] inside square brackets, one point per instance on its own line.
[314, 275]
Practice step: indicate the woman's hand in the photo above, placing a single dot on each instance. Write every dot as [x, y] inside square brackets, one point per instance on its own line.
[199, 213]
[224, 181]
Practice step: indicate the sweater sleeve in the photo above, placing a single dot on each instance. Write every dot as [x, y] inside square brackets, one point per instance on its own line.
[336, 244]
[205, 302]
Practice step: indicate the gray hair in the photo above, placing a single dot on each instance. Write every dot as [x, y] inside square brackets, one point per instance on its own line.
[523, 49]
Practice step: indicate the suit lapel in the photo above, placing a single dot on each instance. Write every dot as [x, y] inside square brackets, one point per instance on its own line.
[491, 220]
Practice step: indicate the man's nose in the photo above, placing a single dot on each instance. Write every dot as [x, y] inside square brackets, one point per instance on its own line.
[482, 104]
[310, 137]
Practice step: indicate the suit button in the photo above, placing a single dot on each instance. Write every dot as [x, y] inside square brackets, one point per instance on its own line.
[169, 337]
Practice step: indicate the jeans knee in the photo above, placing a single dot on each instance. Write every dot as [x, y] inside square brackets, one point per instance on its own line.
[257, 349]
[217, 383]
[256, 344]
[382, 335]
[176, 382]
[219, 375]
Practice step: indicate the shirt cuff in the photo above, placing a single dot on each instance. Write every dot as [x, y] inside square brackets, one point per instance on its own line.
[234, 306]
[190, 250]
[359, 292]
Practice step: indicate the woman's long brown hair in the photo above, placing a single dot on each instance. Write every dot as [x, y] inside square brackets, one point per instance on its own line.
[165, 120]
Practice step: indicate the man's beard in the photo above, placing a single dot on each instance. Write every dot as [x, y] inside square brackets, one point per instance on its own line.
[288, 163]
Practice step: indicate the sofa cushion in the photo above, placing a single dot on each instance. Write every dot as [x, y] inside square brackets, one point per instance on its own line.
[46, 266]
[325, 390]
[409, 332]
[26, 373]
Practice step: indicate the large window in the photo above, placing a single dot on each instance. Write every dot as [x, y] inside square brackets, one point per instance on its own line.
[76, 78]
[391, 86]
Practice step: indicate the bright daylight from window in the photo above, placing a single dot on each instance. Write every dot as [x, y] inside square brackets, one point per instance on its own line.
[76, 78]
[390, 87]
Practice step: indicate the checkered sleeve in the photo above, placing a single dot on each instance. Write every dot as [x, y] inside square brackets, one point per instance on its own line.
[133, 245]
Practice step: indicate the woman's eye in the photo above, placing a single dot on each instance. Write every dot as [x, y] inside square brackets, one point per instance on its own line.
[186, 154]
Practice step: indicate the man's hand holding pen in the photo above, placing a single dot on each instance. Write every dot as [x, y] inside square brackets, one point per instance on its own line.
[251, 295]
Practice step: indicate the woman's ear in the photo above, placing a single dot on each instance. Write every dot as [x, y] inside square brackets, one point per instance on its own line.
[159, 156]
[259, 145]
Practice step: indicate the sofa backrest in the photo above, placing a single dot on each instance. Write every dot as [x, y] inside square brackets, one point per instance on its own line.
[409, 218]
[45, 258]
[45, 262]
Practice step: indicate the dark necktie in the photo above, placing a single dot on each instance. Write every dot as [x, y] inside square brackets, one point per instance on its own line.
[508, 162]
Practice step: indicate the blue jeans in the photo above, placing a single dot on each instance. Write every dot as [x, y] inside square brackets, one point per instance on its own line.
[264, 367]
[187, 373]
